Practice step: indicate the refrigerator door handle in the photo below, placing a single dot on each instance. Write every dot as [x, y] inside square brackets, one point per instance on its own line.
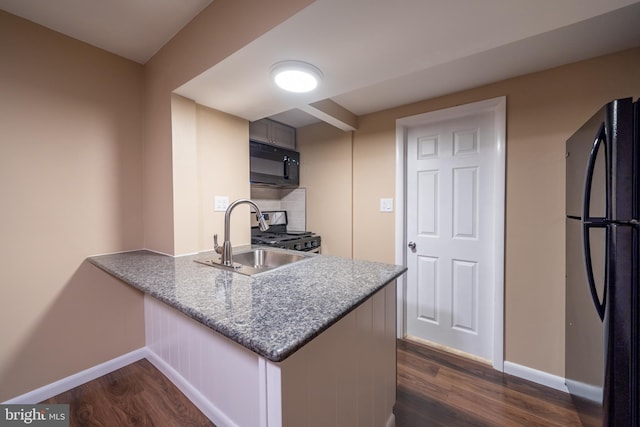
[591, 163]
[589, 222]
[586, 245]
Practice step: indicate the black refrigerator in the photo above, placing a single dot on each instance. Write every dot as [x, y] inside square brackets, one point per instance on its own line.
[602, 257]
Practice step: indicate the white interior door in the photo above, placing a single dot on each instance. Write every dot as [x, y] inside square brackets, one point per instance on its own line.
[453, 212]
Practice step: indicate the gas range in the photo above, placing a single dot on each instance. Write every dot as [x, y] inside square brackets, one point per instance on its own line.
[277, 235]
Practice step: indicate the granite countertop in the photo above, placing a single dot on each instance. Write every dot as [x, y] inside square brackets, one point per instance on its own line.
[274, 313]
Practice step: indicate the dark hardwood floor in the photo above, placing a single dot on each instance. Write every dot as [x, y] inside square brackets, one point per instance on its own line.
[136, 395]
[434, 389]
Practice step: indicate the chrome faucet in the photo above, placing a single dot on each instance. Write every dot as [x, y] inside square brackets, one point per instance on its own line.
[225, 249]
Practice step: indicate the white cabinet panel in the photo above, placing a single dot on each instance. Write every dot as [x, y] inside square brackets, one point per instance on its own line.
[343, 377]
[218, 375]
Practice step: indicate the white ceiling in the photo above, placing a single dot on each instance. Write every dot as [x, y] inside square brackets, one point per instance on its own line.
[135, 29]
[375, 54]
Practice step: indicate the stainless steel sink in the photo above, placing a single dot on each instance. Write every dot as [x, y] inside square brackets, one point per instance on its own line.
[259, 260]
[264, 258]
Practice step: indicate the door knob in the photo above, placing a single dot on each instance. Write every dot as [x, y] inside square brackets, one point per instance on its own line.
[412, 246]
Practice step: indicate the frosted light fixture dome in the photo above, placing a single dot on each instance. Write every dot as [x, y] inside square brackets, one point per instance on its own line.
[296, 76]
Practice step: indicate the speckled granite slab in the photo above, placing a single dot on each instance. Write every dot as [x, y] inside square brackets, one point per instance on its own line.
[274, 313]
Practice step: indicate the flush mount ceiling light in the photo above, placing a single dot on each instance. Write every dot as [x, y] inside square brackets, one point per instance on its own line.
[296, 76]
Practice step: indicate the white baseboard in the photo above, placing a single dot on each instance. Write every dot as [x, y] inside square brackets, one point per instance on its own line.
[198, 399]
[586, 391]
[533, 375]
[210, 410]
[66, 384]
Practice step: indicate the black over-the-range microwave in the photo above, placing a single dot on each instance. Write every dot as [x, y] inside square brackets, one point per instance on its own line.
[273, 166]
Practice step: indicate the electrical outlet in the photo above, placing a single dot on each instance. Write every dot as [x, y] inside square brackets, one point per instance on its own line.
[386, 205]
[220, 203]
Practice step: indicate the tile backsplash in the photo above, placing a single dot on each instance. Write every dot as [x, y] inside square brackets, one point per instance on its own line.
[295, 203]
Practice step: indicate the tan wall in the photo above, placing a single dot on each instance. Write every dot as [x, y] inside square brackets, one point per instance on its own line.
[223, 170]
[326, 173]
[211, 157]
[374, 177]
[219, 30]
[184, 148]
[345, 181]
[70, 185]
[543, 110]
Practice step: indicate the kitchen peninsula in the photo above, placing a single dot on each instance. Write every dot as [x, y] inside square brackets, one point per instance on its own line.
[309, 344]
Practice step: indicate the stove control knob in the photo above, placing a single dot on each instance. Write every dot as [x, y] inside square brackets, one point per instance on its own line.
[297, 246]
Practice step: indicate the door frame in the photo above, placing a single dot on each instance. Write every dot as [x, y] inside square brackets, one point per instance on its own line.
[498, 107]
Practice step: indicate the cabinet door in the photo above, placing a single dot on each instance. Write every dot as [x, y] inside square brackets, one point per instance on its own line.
[271, 132]
[259, 131]
[282, 135]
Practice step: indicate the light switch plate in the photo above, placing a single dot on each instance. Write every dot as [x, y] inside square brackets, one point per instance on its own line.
[386, 205]
[220, 203]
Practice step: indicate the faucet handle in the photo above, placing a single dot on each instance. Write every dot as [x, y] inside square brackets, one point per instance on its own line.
[216, 246]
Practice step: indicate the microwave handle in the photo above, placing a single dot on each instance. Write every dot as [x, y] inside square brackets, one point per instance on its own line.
[285, 163]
